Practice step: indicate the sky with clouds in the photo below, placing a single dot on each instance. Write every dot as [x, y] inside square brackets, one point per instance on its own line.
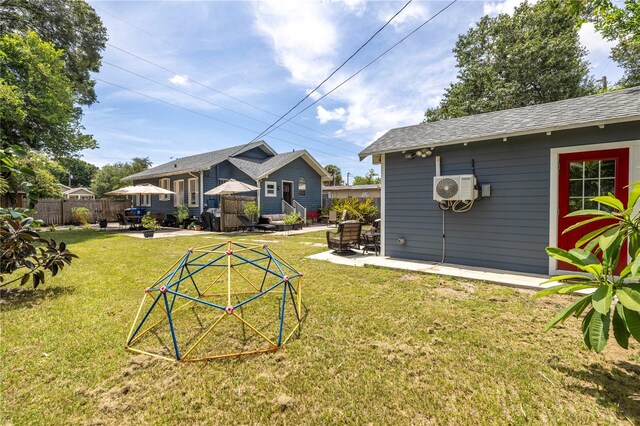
[181, 78]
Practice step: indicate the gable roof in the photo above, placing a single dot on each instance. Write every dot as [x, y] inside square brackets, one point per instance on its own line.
[198, 162]
[608, 108]
[79, 190]
[258, 170]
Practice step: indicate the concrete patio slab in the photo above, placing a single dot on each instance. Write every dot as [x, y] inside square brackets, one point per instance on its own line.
[508, 278]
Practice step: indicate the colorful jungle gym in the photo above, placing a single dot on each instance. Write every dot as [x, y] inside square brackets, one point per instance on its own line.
[219, 301]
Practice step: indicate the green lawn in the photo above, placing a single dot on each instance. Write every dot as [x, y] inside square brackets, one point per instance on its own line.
[378, 346]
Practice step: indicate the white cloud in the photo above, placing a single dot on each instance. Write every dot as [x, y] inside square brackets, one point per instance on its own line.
[594, 42]
[179, 80]
[324, 116]
[356, 6]
[413, 13]
[304, 38]
[495, 8]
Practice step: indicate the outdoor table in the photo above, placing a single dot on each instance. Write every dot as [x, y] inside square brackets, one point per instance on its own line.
[371, 241]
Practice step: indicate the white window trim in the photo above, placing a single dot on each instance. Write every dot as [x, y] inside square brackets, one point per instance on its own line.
[305, 187]
[179, 197]
[634, 175]
[165, 197]
[144, 200]
[193, 181]
[267, 192]
[222, 180]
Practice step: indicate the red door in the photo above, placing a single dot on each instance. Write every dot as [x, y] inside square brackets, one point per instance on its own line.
[582, 176]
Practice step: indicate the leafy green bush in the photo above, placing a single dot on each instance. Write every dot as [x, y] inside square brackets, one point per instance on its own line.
[251, 210]
[181, 213]
[292, 218]
[607, 241]
[364, 211]
[149, 222]
[22, 248]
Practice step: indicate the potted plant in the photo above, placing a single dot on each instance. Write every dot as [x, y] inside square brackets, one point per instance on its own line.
[150, 225]
[194, 226]
[181, 214]
[79, 216]
[252, 211]
[291, 220]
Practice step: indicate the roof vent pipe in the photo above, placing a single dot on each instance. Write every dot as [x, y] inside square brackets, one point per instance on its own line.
[437, 165]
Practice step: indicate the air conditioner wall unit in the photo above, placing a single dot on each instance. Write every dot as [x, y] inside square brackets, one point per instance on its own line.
[454, 188]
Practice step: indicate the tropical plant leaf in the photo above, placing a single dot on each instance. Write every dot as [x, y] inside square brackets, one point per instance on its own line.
[577, 287]
[609, 237]
[589, 212]
[591, 235]
[632, 318]
[599, 331]
[610, 201]
[620, 330]
[629, 296]
[550, 290]
[585, 256]
[587, 221]
[586, 323]
[634, 194]
[565, 256]
[601, 299]
[567, 278]
[568, 311]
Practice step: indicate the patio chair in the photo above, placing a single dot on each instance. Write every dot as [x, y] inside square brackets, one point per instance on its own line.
[122, 222]
[245, 223]
[333, 218]
[169, 220]
[347, 237]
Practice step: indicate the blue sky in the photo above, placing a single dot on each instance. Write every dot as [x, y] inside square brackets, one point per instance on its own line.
[221, 71]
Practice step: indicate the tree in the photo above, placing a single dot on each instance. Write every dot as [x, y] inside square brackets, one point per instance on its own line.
[369, 179]
[335, 173]
[73, 27]
[44, 183]
[109, 177]
[529, 58]
[37, 99]
[615, 23]
[80, 171]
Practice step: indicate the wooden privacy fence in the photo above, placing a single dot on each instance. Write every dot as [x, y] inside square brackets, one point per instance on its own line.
[58, 212]
[231, 207]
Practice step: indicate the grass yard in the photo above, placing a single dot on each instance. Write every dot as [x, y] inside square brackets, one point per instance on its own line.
[378, 346]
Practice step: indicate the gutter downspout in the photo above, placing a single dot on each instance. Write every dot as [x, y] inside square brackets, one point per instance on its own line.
[259, 193]
[201, 191]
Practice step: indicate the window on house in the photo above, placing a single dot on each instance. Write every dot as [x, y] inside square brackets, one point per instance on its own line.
[302, 187]
[178, 188]
[221, 181]
[270, 189]
[193, 192]
[144, 200]
[165, 183]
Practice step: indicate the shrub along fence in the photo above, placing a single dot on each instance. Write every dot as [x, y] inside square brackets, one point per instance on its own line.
[54, 211]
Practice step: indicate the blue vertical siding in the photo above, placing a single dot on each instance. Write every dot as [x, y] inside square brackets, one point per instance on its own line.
[508, 230]
[292, 172]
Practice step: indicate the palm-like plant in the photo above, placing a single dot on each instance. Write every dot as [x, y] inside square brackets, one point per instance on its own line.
[609, 288]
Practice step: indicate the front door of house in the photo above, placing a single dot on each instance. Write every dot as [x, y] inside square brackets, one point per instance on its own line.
[287, 192]
[582, 176]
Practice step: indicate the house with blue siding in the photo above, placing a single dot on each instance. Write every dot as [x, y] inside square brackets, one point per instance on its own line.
[293, 179]
[493, 190]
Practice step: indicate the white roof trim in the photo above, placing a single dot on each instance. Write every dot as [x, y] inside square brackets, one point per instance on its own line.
[308, 158]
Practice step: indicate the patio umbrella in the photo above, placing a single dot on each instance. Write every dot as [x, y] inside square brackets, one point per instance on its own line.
[231, 186]
[143, 189]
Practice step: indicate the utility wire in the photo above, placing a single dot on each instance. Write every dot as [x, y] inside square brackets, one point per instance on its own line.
[221, 107]
[362, 69]
[219, 120]
[334, 71]
[220, 92]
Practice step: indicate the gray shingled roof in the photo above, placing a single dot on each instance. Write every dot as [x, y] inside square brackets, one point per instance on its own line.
[613, 107]
[195, 163]
[258, 170]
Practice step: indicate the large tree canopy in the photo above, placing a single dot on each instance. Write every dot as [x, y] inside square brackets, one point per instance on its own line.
[36, 98]
[532, 57]
[76, 172]
[109, 177]
[370, 178]
[335, 173]
[72, 26]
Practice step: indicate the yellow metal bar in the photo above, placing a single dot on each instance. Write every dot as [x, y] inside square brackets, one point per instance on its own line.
[169, 269]
[205, 334]
[235, 293]
[151, 354]
[135, 321]
[209, 358]
[290, 334]
[256, 330]
[299, 291]
[160, 320]
[245, 278]
[214, 282]
[229, 278]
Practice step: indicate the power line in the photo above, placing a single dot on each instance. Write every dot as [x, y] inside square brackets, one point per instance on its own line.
[334, 71]
[219, 120]
[222, 107]
[361, 69]
[221, 93]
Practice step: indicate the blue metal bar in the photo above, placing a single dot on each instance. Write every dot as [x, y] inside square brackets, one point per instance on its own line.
[293, 299]
[199, 269]
[284, 299]
[204, 302]
[173, 333]
[144, 318]
[258, 266]
[264, 279]
[255, 296]
[192, 280]
[175, 271]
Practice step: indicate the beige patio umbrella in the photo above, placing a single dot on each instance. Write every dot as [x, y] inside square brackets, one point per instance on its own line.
[144, 189]
[230, 187]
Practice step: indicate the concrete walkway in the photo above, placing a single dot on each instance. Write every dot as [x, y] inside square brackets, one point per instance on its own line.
[508, 278]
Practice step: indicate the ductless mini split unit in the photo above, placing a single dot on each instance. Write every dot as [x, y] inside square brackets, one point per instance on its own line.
[454, 188]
